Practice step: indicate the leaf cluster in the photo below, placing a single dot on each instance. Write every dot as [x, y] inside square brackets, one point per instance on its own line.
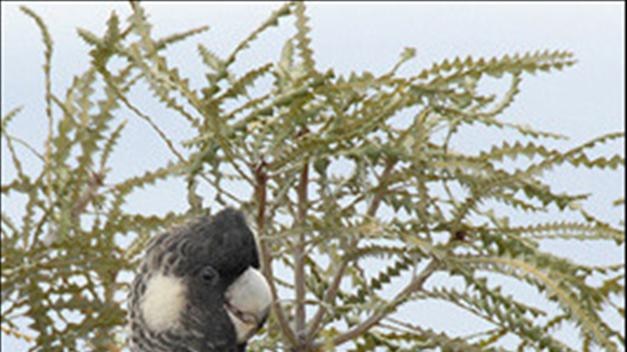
[274, 150]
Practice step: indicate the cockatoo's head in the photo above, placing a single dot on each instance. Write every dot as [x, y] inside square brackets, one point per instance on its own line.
[199, 288]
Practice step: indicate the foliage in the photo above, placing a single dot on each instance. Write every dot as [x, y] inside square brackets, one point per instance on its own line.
[63, 263]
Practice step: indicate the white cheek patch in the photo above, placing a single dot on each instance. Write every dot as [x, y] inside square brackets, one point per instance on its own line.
[249, 294]
[163, 302]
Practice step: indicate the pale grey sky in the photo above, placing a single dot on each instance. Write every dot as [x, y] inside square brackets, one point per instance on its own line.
[581, 102]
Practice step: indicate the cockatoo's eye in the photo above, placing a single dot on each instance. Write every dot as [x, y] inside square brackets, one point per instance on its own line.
[209, 275]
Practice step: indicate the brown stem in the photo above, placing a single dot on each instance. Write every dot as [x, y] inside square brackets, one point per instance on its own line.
[261, 179]
[299, 253]
[94, 182]
[415, 285]
[378, 196]
[328, 298]
[339, 274]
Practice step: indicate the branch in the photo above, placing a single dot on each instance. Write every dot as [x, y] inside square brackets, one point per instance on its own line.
[339, 274]
[136, 111]
[94, 182]
[261, 179]
[415, 285]
[385, 175]
[328, 298]
[299, 254]
[17, 334]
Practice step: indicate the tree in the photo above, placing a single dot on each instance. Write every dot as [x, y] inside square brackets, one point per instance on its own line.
[64, 264]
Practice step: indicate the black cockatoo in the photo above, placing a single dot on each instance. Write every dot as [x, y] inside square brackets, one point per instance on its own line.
[199, 288]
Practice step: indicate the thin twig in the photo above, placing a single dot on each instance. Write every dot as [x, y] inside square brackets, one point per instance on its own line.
[261, 180]
[339, 274]
[139, 113]
[26, 145]
[414, 285]
[299, 253]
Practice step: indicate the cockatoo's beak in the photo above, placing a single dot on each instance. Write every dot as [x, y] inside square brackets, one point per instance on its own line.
[248, 302]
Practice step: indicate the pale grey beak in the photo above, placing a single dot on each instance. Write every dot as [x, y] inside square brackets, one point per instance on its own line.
[248, 302]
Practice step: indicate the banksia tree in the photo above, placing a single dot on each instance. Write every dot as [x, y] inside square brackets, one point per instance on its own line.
[329, 181]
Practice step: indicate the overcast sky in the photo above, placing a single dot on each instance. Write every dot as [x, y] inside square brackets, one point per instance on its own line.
[581, 102]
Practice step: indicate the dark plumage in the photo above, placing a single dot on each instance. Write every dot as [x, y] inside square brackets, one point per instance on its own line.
[198, 288]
